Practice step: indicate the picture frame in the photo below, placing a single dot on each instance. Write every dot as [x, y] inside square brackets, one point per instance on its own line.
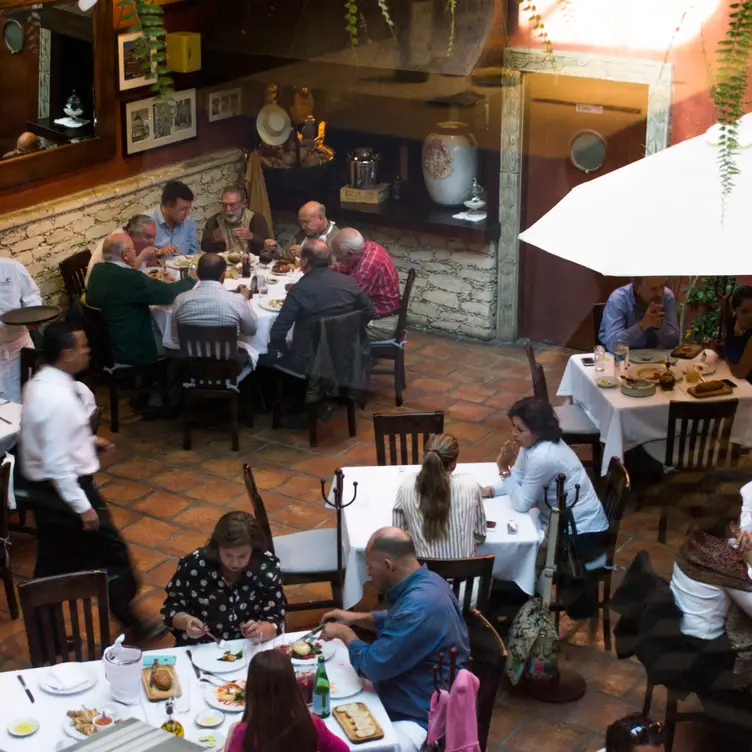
[224, 104]
[130, 75]
[150, 124]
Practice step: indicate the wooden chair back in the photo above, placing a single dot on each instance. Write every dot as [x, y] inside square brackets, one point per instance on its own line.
[6, 569]
[413, 431]
[598, 310]
[531, 361]
[259, 510]
[401, 333]
[96, 333]
[614, 499]
[210, 353]
[699, 435]
[466, 576]
[73, 272]
[540, 386]
[31, 360]
[52, 633]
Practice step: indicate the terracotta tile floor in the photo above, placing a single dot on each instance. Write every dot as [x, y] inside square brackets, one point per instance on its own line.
[167, 500]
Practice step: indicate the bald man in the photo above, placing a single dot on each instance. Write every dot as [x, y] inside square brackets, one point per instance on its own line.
[422, 620]
[27, 143]
[313, 226]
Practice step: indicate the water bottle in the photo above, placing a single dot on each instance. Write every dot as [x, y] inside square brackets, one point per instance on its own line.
[321, 692]
[621, 358]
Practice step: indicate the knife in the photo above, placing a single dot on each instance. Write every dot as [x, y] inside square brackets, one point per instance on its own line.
[195, 667]
[312, 633]
[26, 689]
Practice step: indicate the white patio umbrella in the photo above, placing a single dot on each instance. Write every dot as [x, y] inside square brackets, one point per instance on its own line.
[658, 216]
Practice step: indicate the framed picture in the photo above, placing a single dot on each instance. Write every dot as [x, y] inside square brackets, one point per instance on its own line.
[225, 104]
[150, 124]
[130, 72]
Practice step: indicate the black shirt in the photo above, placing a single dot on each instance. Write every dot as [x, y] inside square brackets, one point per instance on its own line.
[198, 588]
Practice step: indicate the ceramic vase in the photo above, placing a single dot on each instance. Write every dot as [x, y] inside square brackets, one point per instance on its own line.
[449, 163]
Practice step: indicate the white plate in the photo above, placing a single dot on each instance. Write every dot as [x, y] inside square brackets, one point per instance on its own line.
[210, 695]
[344, 682]
[606, 382]
[706, 369]
[13, 727]
[71, 731]
[43, 684]
[647, 356]
[647, 372]
[265, 304]
[209, 719]
[220, 740]
[207, 658]
[328, 649]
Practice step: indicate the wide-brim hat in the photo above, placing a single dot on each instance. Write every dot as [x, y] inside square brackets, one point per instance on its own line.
[273, 125]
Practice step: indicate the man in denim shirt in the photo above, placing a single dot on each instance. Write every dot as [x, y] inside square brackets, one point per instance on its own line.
[423, 620]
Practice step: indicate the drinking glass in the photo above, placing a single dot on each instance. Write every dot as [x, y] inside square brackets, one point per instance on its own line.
[599, 355]
[305, 678]
[692, 374]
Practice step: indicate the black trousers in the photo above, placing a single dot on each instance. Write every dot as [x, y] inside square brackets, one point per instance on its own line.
[65, 547]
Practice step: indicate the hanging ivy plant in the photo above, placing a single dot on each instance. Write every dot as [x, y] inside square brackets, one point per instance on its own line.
[150, 49]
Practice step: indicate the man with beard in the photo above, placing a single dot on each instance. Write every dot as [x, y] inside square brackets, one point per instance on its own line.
[236, 228]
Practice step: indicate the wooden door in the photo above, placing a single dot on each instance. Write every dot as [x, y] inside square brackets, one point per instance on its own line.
[608, 119]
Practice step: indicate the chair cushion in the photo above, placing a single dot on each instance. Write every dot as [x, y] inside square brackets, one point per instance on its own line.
[309, 551]
[573, 419]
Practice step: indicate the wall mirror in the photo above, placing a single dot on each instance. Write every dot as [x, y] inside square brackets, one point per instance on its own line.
[57, 84]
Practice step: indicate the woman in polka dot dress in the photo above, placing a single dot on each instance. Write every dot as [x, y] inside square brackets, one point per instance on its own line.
[231, 587]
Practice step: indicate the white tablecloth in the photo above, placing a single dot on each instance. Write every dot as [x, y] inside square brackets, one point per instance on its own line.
[627, 422]
[50, 710]
[377, 491]
[10, 424]
[259, 341]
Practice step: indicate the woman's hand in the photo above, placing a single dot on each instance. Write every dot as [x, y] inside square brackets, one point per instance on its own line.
[506, 456]
[193, 627]
[258, 631]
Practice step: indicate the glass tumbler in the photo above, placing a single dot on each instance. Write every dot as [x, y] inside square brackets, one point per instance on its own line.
[599, 355]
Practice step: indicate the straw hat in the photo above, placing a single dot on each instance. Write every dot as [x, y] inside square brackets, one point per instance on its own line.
[273, 125]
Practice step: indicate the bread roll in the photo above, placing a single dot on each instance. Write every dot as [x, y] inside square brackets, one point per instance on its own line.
[163, 678]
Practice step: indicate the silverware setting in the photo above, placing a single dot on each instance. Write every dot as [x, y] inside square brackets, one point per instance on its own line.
[26, 689]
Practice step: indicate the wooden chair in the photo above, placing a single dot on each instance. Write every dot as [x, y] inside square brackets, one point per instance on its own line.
[409, 428]
[698, 438]
[6, 568]
[73, 271]
[31, 360]
[394, 349]
[598, 310]
[43, 603]
[308, 557]
[614, 500]
[574, 422]
[467, 577]
[210, 374]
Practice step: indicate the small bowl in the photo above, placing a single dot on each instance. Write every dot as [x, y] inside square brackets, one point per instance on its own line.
[107, 713]
[209, 718]
[22, 727]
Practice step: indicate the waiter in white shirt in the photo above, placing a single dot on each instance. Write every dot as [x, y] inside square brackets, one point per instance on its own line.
[58, 459]
[17, 290]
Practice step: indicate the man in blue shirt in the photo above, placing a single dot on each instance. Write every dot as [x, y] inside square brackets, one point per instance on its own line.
[642, 315]
[423, 620]
[176, 231]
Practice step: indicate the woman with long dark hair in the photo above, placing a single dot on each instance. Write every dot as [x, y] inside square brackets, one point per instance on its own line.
[276, 718]
[440, 509]
[533, 460]
[738, 344]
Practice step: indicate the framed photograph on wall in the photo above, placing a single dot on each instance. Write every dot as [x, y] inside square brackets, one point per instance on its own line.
[225, 104]
[130, 72]
[150, 124]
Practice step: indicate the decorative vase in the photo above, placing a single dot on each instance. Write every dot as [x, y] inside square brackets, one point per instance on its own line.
[449, 163]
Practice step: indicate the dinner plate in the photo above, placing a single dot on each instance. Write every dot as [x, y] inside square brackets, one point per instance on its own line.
[44, 684]
[210, 695]
[647, 356]
[649, 372]
[271, 304]
[328, 649]
[705, 369]
[71, 731]
[207, 658]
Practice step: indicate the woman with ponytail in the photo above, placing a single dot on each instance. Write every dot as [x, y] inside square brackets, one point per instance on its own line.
[440, 509]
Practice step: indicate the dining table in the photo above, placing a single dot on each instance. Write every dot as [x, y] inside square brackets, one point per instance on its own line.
[49, 710]
[513, 541]
[627, 422]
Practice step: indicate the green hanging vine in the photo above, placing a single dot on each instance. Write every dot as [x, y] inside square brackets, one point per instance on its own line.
[150, 50]
[730, 88]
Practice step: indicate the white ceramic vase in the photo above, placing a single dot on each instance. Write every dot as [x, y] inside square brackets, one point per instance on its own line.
[449, 163]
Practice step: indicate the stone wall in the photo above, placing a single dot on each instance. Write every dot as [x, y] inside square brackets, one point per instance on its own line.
[455, 286]
[42, 236]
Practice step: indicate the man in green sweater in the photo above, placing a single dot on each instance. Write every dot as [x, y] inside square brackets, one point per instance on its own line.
[124, 295]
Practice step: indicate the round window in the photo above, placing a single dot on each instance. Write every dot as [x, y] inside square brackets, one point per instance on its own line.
[588, 151]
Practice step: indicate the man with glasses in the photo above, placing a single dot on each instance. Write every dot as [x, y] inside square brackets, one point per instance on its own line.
[634, 733]
[236, 228]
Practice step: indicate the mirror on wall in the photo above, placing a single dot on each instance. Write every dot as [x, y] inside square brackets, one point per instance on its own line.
[47, 81]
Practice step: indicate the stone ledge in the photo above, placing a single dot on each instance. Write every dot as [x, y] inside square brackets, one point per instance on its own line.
[120, 188]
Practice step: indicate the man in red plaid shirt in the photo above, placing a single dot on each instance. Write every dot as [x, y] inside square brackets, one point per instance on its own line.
[371, 266]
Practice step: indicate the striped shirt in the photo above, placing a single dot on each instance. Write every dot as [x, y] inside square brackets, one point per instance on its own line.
[467, 519]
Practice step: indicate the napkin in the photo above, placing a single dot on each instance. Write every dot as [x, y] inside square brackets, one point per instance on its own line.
[65, 676]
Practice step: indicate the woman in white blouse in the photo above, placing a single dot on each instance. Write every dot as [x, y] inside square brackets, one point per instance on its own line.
[542, 457]
[441, 510]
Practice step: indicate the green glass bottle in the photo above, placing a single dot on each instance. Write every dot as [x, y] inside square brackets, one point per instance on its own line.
[322, 706]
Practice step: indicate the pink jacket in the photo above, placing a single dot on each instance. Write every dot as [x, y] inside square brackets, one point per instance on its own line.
[461, 716]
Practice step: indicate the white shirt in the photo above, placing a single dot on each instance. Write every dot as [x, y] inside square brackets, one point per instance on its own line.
[705, 607]
[745, 521]
[467, 518]
[56, 442]
[539, 466]
[96, 258]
